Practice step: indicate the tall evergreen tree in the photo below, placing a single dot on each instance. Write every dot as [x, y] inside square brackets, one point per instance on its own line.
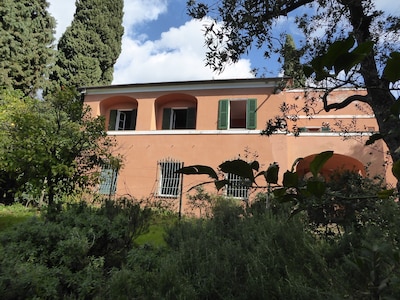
[89, 48]
[26, 37]
[291, 63]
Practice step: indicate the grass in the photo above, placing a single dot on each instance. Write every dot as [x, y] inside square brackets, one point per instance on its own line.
[17, 213]
[155, 234]
[14, 214]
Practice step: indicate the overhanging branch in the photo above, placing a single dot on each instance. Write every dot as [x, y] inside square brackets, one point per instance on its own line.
[344, 103]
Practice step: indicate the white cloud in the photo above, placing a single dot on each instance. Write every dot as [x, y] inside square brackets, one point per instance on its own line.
[140, 11]
[179, 54]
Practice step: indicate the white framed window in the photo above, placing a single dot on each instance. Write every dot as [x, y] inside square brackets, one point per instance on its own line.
[179, 118]
[169, 180]
[122, 119]
[238, 187]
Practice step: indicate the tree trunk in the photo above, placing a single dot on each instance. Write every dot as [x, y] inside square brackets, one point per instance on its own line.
[380, 97]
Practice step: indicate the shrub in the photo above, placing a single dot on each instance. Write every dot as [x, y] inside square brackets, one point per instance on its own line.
[71, 254]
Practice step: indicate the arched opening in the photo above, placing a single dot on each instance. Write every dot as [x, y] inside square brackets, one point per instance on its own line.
[337, 163]
[120, 112]
[176, 111]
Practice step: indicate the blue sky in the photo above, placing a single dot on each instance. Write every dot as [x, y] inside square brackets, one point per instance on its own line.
[161, 43]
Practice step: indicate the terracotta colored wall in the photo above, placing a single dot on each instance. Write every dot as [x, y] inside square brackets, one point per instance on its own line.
[205, 145]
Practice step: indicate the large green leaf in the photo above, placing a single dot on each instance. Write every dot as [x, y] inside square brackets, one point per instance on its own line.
[290, 179]
[339, 57]
[392, 69]
[198, 169]
[336, 50]
[316, 188]
[396, 169]
[271, 175]
[238, 167]
[346, 61]
[319, 161]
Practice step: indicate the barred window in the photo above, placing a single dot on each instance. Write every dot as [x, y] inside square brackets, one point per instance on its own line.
[108, 180]
[170, 182]
[238, 187]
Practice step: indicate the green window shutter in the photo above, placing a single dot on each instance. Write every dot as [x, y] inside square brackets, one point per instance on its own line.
[223, 107]
[191, 118]
[113, 118]
[132, 125]
[251, 114]
[166, 120]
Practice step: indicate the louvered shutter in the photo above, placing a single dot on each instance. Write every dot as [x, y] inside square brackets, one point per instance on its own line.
[251, 114]
[191, 118]
[112, 120]
[223, 107]
[166, 121]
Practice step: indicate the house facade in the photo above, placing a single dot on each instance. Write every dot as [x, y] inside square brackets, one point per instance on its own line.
[160, 127]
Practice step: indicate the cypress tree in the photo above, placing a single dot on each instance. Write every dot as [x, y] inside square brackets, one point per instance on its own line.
[291, 62]
[26, 37]
[89, 48]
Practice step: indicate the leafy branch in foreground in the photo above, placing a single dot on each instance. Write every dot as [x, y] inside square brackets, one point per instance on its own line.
[316, 195]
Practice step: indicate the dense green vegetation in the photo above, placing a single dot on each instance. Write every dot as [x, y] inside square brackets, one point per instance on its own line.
[49, 149]
[26, 44]
[235, 253]
[89, 48]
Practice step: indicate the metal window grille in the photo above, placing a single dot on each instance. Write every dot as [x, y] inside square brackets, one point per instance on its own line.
[170, 182]
[108, 180]
[238, 187]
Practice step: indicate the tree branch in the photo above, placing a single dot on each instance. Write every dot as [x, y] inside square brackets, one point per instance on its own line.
[289, 6]
[344, 103]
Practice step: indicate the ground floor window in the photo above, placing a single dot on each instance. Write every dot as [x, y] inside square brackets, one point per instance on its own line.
[238, 187]
[169, 180]
[108, 180]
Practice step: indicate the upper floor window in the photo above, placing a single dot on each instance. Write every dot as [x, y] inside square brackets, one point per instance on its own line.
[179, 118]
[122, 119]
[237, 114]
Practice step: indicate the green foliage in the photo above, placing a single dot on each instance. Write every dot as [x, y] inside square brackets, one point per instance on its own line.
[71, 255]
[345, 44]
[341, 55]
[26, 37]
[238, 256]
[391, 71]
[237, 253]
[49, 148]
[291, 63]
[89, 48]
[319, 161]
[14, 214]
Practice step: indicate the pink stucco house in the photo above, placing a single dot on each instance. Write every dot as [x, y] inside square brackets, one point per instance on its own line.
[160, 127]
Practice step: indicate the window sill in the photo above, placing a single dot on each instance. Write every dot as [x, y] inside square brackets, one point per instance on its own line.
[183, 132]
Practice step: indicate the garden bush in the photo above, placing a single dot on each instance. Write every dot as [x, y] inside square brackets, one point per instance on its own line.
[71, 254]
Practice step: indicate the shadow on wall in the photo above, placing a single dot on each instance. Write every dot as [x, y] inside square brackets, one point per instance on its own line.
[374, 157]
